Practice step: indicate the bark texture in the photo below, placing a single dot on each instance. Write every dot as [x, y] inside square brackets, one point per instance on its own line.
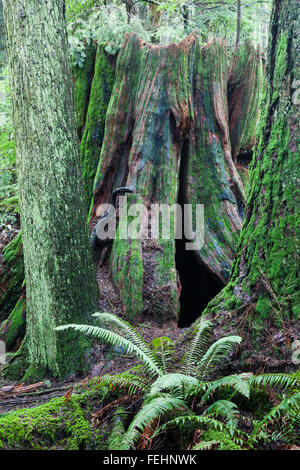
[262, 295]
[60, 280]
[244, 94]
[167, 136]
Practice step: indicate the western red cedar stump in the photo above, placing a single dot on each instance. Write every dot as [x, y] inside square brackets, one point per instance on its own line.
[169, 109]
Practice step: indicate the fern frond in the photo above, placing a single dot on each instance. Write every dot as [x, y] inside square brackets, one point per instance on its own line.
[216, 352]
[282, 380]
[123, 328]
[287, 408]
[198, 346]
[199, 422]
[131, 385]
[155, 409]
[235, 382]
[173, 382]
[116, 340]
[205, 445]
[162, 351]
[227, 410]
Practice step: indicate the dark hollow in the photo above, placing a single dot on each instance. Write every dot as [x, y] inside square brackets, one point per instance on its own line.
[198, 284]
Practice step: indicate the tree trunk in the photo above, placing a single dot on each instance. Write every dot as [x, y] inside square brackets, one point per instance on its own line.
[94, 124]
[167, 136]
[239, 20]
[261, 296]
[244, 94]
[11, 276]
[60, 280]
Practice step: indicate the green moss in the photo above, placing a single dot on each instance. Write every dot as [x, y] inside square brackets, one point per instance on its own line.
[83, 80]
[118, 430]
[93, 134]
[224, 440]
[15, 324]
[263, 307]
[281, 63]
[12, 276]
[59, 424]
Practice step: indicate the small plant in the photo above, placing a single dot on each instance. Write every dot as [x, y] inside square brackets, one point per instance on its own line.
[189, 398]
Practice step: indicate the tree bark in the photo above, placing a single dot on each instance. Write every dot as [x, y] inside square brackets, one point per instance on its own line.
[262, 295]
[244, 93]
[239, 21]
[60, 280]
[94, 124]
[167, 136]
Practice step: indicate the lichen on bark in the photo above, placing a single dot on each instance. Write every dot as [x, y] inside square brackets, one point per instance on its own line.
[60, 279]
[264, 276]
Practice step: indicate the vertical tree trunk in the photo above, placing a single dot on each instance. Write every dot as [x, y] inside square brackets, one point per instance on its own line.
[239, 20]
[262, 293]
[245, 86]
[60, 280]
[93, 128]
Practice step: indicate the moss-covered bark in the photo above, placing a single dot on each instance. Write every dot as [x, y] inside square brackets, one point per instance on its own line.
[11, 276]
[82, 78]
[169, 109]
[94, 124]
[212, 177]
[60, 280]
[264, 279]
[245, 86]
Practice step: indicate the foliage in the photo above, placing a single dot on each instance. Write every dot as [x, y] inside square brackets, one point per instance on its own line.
[189, 398]
[107, 23]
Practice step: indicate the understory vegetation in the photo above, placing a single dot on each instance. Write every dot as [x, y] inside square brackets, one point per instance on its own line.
[163, 403]
[179, 103]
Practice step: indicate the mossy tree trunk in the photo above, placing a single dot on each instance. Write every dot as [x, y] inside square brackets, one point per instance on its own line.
[167, 136]
[60, 279]
[262, 293]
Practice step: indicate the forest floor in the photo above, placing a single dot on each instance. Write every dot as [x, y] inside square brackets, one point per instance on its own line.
[106, 360]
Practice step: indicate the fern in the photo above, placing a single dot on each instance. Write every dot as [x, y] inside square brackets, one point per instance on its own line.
[287, 409]
[282, 380]
[175, 382]
[163, 349]
[131, 384]
[116, 340]
[198, 346]
[237, 382]
[205, 445]
[227, 410]
[124, 328]
[198, 422]
[153, 410]
[216, 352]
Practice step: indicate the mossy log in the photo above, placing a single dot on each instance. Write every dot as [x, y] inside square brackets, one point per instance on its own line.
[58, 424]
[167, 136]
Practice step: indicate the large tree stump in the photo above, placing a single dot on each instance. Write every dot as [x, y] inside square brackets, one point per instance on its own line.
[167, 136]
